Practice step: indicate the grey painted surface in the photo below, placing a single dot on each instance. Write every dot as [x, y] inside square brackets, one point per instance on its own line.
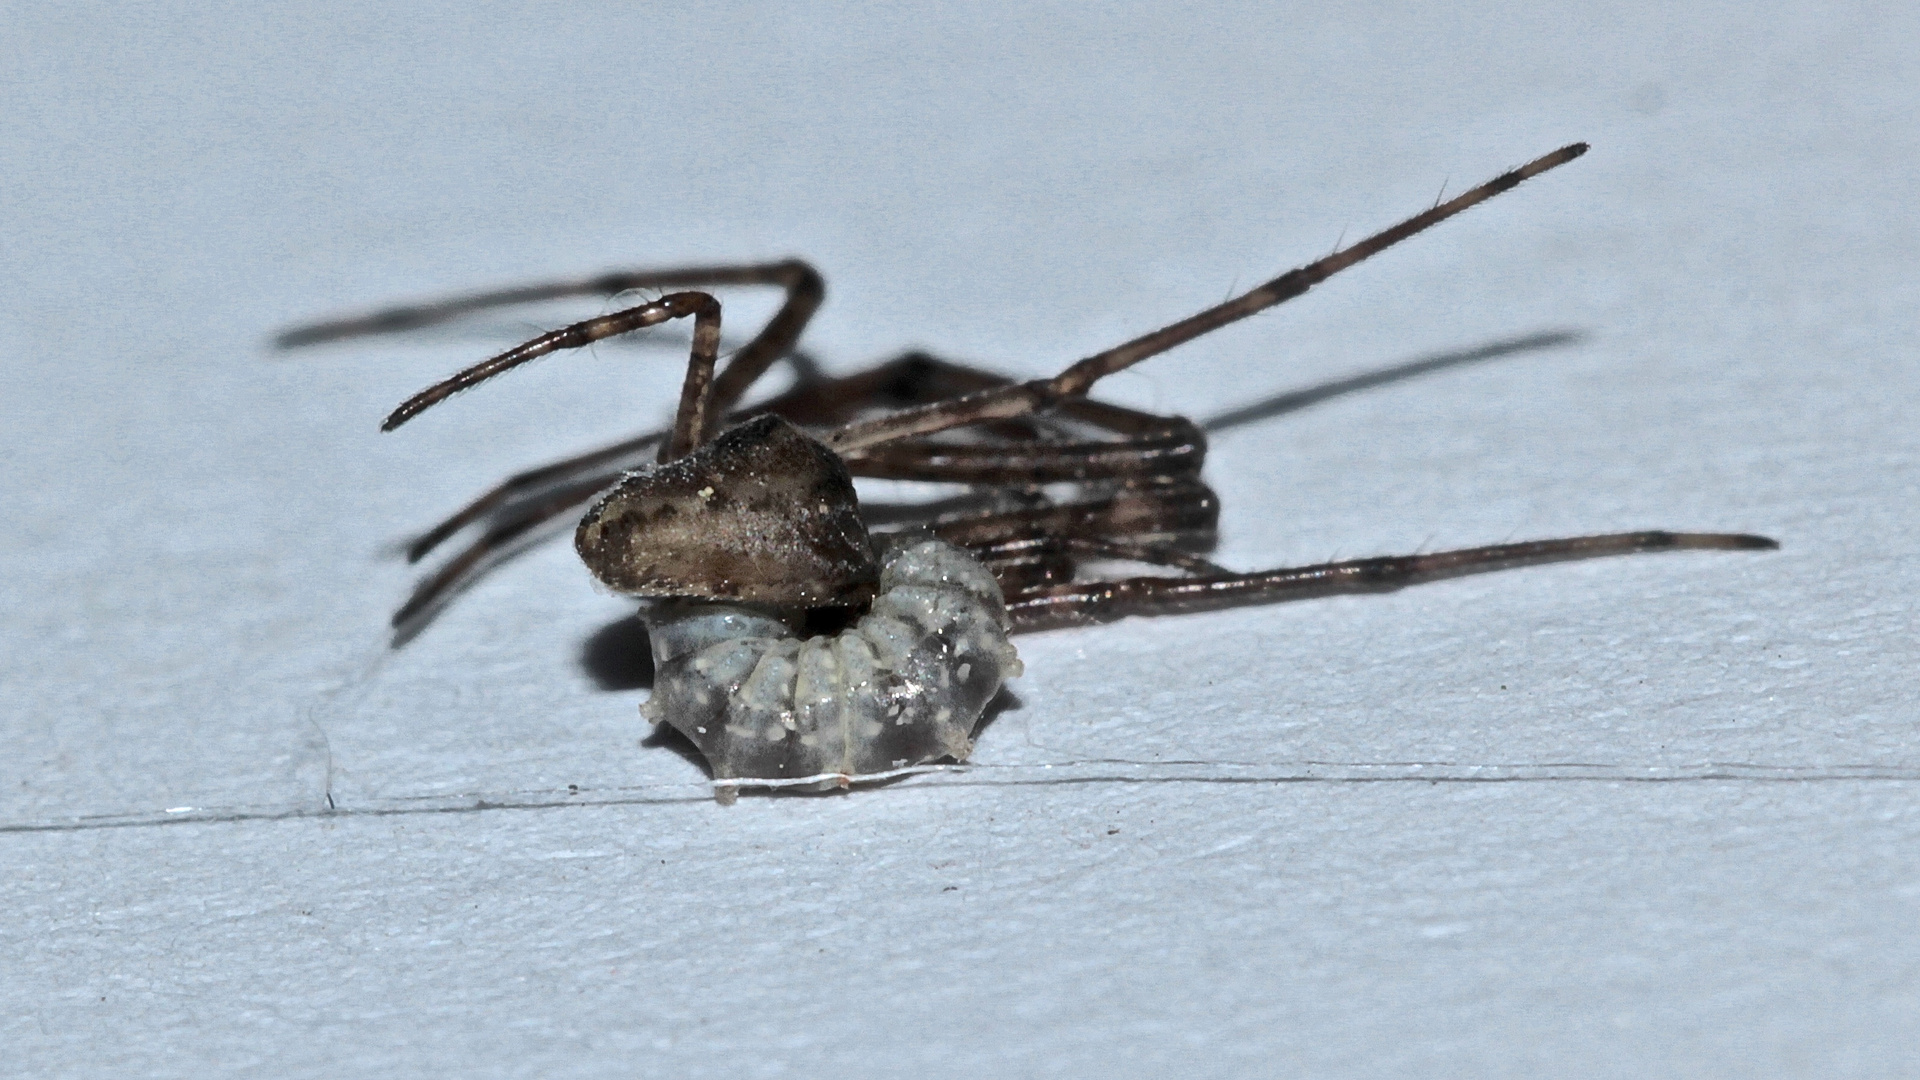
[1656, 815]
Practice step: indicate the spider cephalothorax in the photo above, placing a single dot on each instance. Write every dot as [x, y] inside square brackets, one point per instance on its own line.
[762, 514]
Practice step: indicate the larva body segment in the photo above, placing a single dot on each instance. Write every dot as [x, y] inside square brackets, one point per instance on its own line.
[903, 686]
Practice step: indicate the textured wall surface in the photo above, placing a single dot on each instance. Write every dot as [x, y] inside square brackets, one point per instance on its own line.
[1655, 816]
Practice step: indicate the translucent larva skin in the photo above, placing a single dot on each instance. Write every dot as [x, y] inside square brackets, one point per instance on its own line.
[902, 686]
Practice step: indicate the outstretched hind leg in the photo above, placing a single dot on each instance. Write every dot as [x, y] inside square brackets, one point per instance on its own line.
[1082, 603]
[1042, 395]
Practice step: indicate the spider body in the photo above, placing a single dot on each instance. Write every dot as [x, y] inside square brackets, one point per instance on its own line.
[745, 534]
[762, 514]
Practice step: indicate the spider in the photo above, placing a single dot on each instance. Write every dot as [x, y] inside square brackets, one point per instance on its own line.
[800, 640]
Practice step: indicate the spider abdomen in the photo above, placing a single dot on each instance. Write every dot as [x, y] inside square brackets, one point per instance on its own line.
[904, 685]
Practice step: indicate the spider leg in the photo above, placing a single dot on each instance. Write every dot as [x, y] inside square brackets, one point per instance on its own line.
[1026, 453]
[1177, 512]
[1077, 604]
[1041, 394]
[1170, 445]
[501, 540]
[804, 286]
[1025, 565]
[912, 378]
[1152, 554]
[696, 393]
[525, 489]
[1037, 541]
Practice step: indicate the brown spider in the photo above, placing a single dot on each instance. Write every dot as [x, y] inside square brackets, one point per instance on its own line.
[793, 644]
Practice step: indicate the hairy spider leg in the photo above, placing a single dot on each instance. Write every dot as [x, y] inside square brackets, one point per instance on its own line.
[501, 539]
[1023, 565]
[518, 494]
[1078, 604]
[1179, 511]
[1039, 395]
[696, 393]
[804, 287]
[1160, 520]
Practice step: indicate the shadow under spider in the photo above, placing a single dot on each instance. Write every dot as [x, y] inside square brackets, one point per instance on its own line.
[619, 656]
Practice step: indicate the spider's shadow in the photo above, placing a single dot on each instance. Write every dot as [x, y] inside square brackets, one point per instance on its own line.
[619, 656]
[1295, 400]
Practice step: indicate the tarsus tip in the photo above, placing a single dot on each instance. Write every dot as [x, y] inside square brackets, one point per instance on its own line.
[1729, 542]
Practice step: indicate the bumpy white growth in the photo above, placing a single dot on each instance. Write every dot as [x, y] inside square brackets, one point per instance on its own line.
[903, 686]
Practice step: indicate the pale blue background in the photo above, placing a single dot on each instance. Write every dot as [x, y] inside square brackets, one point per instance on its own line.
[1648, 817]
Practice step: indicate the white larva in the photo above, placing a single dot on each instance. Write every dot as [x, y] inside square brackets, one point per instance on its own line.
[903, 686]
